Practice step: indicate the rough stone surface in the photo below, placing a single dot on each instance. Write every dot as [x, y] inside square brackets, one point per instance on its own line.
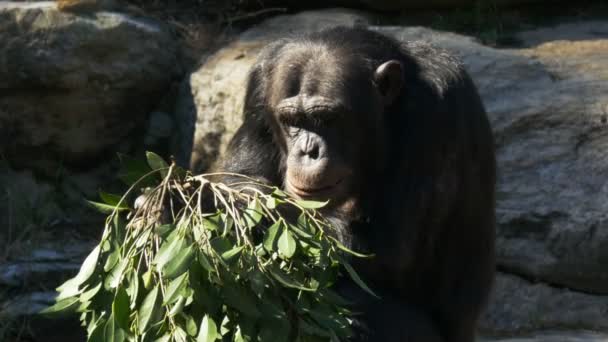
[392, 5]
[72, 86]
[555, 336]
[44, 265]
[518, 306]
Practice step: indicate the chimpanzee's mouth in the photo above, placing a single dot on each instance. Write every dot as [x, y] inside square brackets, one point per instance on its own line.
[322, 192]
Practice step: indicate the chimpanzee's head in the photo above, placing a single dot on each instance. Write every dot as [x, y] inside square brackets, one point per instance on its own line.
[327, 105]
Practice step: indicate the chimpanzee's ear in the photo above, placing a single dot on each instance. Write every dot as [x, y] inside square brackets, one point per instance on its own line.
[388, 79]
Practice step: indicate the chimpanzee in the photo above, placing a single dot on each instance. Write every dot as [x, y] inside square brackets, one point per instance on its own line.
[396, 137]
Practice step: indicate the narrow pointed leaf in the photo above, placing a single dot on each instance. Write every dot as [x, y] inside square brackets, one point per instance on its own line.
[113, 200]
[147, 309]
[180, 263]
[355, 277]
[253, 213]
[65, 305]
[284, 279]
[208, 330]
[174, 288]
[88, 266]
[104, 208]
[230, 254]
[168, 251]
[120, 308]
[311, 204]
[156, 162]
[270, 238]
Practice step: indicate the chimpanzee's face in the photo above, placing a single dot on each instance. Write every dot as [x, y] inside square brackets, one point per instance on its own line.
[328, 115]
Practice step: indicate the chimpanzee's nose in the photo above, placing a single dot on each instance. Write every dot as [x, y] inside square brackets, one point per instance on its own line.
[310, 148]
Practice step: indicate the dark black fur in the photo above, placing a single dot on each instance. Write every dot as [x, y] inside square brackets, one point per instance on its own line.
[425, 197]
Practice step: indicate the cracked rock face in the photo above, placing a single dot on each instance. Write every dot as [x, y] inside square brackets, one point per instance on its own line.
[548, 105]
[72, 85]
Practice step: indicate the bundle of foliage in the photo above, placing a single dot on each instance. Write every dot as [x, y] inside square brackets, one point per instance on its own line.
[169, 271]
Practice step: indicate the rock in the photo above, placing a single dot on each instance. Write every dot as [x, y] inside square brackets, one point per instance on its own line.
[518, 306]
[556, 336]
[64, 328]
[210, 102]
[74, 86]
[28, 304]
[45, 265]
[391, 5]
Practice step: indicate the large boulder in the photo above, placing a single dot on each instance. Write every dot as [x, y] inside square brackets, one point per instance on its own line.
[520, 306]
[548, 105]
[391, 5]
[73, 86]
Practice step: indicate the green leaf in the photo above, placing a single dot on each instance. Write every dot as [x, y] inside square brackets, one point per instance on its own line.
[212, 222]
[120, 308]
[191, 327]
[240, 299]
[349, 251]
[258, 282]
[284, 279]
[179, 335]
[271, 202]
[287, 244]
[175, 287]
[311, 204]
[89, 294]
[143, 238]
[112, 260]
[88, 266]
[168, 251]
[133, 289]
[164, 229]
[104, 208]
[270, 238]
[147, 278]
[179, 263]
[221, 245]
[230, 254]
[147, 309]
[178, 307]
[114, 278]
[202, 259]
[68, 289]
[355, 277]
[164, 338]
[113, 333]
[132, 170]
[253, 213]
[225, 326]
[156, 162]
[113, 200]
[279, 193]
[65, 305]
[208, 330]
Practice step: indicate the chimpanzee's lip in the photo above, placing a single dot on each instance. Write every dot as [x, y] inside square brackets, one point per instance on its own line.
[312, 192]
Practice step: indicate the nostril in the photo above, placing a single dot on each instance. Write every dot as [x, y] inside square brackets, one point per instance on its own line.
[314, 152]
